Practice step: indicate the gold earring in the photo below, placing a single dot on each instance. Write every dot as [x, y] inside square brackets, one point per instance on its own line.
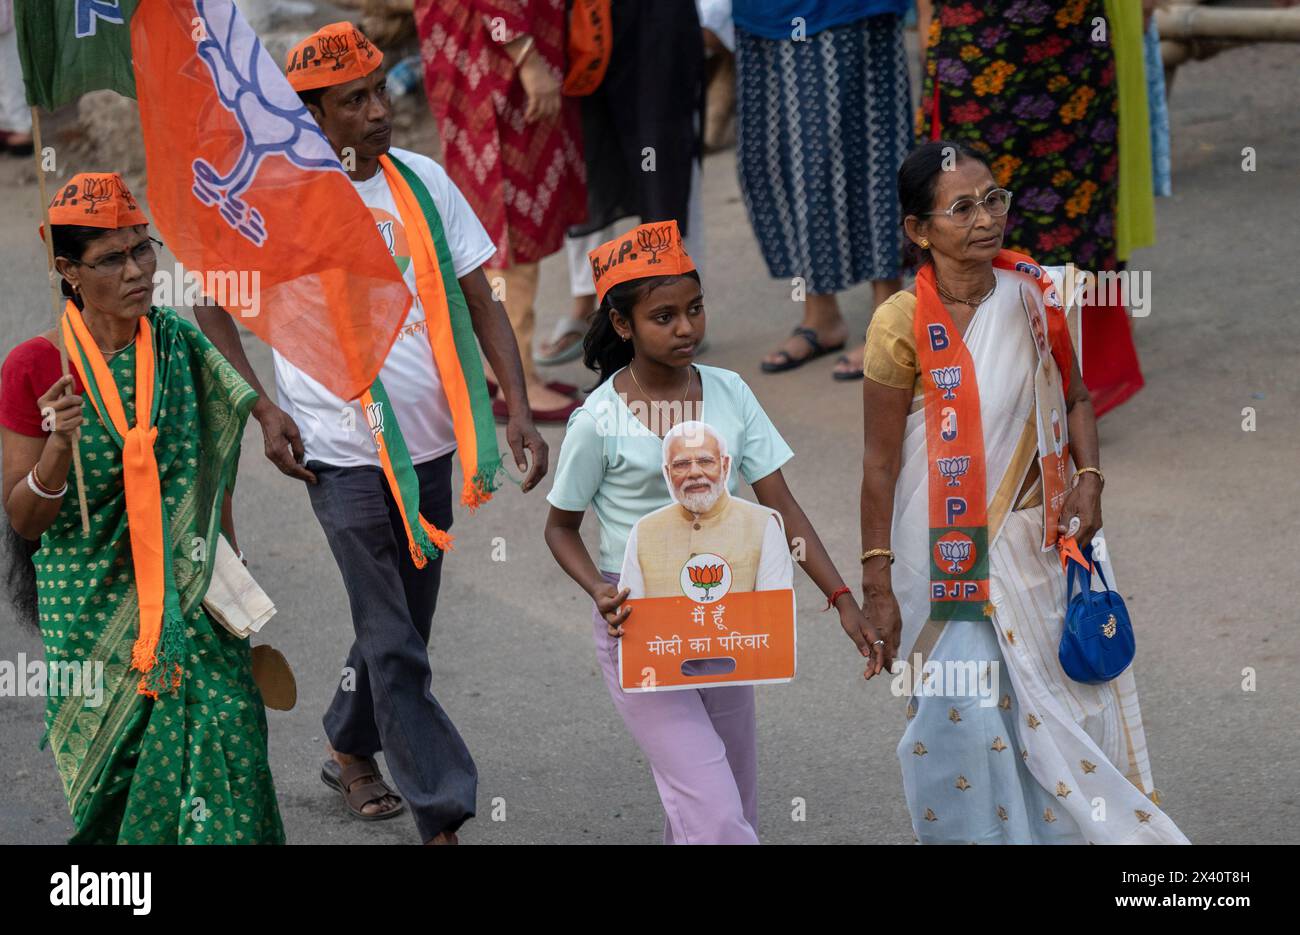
[925, 244]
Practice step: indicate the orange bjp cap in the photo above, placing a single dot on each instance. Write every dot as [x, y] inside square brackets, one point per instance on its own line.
[95, 199]
[333, 54]
[653, 249]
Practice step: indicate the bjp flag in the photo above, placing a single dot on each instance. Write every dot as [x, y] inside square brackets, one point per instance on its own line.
[241, 180]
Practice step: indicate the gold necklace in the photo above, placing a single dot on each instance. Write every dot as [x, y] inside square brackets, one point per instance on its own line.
[972, 302]
[689, 368]
[109, 355]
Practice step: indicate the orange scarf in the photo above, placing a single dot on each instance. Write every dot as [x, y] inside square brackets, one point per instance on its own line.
[146, 524]
[455, 354]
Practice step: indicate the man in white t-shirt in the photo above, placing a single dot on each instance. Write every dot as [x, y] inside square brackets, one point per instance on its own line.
[385, 700]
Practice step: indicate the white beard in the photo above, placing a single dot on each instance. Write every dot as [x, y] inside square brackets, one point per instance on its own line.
[702, 501]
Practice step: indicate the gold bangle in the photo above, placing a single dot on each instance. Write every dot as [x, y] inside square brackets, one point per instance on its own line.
[873, 553]
[1091, 470]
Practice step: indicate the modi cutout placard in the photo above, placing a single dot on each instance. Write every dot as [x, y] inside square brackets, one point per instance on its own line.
[709, 579]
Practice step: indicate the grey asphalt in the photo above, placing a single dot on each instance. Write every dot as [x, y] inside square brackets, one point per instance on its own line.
[1200, 515]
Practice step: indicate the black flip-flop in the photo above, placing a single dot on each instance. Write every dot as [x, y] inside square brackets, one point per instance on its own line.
[791, 363]
[845, 376]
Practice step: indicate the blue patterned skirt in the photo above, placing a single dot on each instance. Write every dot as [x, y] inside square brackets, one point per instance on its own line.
[823, 125]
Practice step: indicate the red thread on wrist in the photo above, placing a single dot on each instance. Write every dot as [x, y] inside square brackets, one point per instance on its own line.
[830, 601]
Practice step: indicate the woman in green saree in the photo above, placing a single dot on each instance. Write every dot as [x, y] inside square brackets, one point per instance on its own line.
[174, 752]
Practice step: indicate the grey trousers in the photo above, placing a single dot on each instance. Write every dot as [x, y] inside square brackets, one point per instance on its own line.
[390, 705]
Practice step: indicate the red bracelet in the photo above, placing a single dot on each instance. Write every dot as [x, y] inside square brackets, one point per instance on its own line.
[830, 601]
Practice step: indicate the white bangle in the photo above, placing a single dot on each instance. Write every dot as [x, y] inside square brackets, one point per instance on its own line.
[31, 483]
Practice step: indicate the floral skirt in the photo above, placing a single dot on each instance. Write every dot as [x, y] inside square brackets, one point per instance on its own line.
[1033, 84]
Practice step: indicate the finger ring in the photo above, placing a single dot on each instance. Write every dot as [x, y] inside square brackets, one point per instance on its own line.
[878, 643]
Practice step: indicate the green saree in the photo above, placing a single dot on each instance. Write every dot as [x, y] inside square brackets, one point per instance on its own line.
[191, 766]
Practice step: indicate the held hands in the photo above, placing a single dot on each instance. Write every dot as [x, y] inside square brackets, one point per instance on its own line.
[283, 444]
[609, 601]
[61, 411]
[863, 634]
[1084, 501]
[881, 610]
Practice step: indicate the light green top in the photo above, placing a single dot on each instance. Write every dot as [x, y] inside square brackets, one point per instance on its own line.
[611, 461]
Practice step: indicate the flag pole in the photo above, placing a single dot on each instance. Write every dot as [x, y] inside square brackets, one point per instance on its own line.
[56, 300]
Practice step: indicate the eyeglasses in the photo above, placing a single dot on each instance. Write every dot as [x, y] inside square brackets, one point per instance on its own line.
[682, 466]
[996, 202]
[143, 253]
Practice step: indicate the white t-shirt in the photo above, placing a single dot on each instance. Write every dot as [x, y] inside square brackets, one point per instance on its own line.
[330, 432]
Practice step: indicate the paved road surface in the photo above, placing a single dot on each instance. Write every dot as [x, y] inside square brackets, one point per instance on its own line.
[1201, 518]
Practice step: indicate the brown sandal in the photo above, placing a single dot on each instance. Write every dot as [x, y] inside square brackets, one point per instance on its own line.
[360, 783]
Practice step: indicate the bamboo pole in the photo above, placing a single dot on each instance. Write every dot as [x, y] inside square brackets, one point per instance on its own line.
[1182, 22]
[57, 301]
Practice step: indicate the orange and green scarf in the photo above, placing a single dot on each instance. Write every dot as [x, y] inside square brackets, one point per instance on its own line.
[455, 354]
[954, 435]
[159, 649]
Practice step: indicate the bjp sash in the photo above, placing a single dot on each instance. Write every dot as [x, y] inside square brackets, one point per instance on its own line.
[455, 354]
[954, 435]
[159, 649]
[958, 503]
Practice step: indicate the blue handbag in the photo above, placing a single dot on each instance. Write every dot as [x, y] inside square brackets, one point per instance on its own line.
[1097, 642]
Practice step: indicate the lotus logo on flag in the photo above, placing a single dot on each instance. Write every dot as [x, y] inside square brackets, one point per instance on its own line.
[947, 379]
[272, 117]
[954, 468]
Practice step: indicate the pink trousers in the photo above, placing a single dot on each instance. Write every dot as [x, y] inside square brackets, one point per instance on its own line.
[702, 749]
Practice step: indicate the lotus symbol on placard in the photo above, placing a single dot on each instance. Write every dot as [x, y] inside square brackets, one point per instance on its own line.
[955, 552]
[705, 577]
[654, 240]
[953, 468]
[947, 379]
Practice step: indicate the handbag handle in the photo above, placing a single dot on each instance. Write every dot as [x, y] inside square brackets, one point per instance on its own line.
[1087, 553]
[1086, 572]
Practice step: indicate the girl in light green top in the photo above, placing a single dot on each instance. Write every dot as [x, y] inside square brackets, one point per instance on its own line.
[700, 743]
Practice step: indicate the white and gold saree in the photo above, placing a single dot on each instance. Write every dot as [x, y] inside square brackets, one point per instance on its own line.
[1001, 746]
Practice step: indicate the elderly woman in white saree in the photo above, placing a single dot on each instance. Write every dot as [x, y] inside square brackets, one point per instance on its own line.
[974, 406]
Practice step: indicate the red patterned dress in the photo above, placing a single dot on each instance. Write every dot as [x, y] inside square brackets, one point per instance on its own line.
[526, 182]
